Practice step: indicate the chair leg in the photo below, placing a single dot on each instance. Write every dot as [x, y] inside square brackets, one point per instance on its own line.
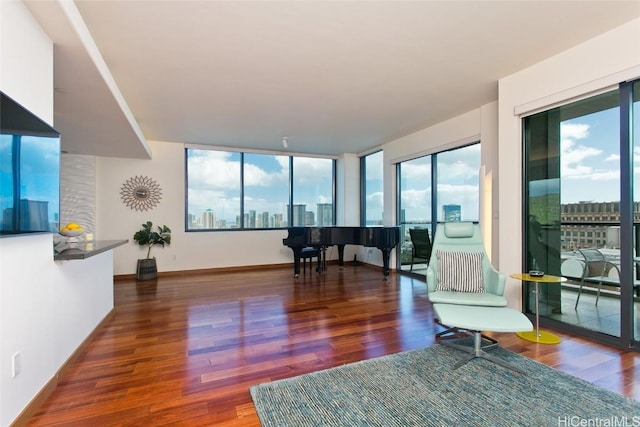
[598, 295]
[478, 352]
[457, 333]
[578, 298]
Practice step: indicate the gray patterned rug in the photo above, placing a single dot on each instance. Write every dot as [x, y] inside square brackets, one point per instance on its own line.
[418, 388]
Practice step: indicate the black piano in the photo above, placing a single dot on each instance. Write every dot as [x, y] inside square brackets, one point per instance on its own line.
[383, 238]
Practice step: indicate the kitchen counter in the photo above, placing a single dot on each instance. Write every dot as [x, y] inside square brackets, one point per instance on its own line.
[82, 250]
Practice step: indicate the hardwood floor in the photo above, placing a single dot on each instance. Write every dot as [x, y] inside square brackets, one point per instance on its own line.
[184, 350]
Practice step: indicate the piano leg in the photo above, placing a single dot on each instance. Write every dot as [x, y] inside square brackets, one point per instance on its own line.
[341, 256]
[320, 258]
[386, 254]
[322, 262]
[297, 254]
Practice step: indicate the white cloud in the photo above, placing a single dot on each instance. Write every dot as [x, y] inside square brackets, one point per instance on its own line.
[573, 156]
[213, 170]
[307, 170]
[417, 171]
[574, 130]
[375, 200]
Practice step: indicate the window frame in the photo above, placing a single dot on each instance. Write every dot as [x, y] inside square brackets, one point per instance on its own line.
[241, 226]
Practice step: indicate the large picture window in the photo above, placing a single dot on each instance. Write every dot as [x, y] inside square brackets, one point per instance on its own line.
[233, 190]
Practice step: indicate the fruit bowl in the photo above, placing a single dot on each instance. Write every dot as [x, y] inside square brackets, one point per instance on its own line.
[71, 233]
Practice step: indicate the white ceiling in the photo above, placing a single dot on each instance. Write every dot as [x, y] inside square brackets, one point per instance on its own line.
[334, 76]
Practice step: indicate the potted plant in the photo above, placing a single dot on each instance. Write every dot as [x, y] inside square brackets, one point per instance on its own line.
[147, 268]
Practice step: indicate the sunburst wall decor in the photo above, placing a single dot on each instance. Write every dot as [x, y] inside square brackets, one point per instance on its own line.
[141, 193]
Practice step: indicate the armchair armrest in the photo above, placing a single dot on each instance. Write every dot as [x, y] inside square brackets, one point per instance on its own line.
[431, 279]
[494, 281]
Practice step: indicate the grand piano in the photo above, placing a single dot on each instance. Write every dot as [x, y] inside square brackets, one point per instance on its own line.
[383, 238]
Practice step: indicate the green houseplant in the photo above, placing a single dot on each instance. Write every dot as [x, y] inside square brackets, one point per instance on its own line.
[146, 236]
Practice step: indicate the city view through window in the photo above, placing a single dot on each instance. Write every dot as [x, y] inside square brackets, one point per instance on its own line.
[575, 193]
[232, 190]
[586, 196]
[456, 191]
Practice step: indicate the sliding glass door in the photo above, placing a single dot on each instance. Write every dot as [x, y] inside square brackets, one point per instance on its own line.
[581, 214]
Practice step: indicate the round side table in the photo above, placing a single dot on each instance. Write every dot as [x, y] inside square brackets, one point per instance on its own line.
[542, 337]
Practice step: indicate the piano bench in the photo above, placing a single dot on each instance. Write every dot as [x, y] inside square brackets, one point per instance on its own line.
[309, 253]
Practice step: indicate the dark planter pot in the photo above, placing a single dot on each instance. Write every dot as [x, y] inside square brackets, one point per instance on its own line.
[147, 269]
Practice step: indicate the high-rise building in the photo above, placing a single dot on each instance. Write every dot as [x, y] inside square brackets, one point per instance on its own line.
[451, 213]
[591, 224]
[299, 219]
[264, 220]
[325, 214]
[309, 219]
[191, 221]
[209, 219]
[277, 221]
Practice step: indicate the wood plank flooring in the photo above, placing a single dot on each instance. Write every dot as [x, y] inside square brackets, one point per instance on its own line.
[184, 350]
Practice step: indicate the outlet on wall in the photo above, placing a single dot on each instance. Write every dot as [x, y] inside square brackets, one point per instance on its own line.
[15, 365]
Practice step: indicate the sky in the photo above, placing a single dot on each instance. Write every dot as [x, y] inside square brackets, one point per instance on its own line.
[590, 158]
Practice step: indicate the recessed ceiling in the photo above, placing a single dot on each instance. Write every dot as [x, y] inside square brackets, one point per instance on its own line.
[333, 76]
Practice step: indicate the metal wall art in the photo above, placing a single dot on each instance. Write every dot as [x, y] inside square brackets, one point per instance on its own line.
[141, 193]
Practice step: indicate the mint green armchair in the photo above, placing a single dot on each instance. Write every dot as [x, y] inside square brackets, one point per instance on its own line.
[464, 237]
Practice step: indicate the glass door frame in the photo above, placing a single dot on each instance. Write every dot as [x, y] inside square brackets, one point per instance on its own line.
[628, 229]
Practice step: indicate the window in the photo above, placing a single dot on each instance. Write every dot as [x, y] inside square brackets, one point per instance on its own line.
[372, 199]
[213, 189]
[437, 188]
[232, 190]
[458, 190]
[313, 192]
[266, 190]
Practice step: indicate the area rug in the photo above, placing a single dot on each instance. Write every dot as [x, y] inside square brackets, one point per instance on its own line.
[419, 388]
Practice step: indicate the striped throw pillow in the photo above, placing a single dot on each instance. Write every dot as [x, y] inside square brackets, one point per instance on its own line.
[460, 271]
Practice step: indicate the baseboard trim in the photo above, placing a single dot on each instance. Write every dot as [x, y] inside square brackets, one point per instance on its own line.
[34, 405]
[238, 269]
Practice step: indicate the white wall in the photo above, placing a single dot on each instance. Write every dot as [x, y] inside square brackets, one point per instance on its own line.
[47, 308]
[348, 190]
[596, 64]
[26, 55]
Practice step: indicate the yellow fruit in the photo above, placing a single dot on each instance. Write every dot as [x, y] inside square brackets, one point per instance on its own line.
[71, 226]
